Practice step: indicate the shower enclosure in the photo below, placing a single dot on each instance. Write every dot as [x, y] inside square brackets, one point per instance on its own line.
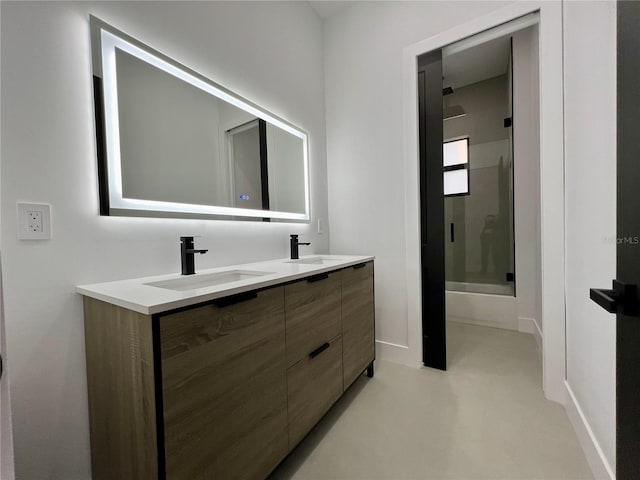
[478, 183]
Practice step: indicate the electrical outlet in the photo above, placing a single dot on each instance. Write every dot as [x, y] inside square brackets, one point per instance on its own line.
[320, 226]
[34, 221]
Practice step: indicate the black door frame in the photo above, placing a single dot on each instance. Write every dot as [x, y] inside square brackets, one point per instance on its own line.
[628, 250]
[430, 128]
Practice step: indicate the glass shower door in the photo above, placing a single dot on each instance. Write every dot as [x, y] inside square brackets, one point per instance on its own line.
[478, 180]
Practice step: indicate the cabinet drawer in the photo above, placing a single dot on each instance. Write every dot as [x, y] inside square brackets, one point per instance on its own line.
[312, 314]
[358, 320]
[314, 384]
[224, 389]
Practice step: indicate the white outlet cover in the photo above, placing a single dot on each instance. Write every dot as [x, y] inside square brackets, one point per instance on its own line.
[26, 214]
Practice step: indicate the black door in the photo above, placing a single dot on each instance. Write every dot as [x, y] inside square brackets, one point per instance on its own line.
[434, 353]
[623, 299]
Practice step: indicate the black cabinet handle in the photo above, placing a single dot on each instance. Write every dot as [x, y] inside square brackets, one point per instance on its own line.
[319, 350]
[453, 235]
[233, 299]
[317, 278]
[359, 265]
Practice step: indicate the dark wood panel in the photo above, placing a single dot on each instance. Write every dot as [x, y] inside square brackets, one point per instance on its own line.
[225, 390]
[314, 385]
[120, 380]
[313, 315]
[358, 321]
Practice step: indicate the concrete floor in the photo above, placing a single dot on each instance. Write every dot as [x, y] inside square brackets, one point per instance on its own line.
[485, 418]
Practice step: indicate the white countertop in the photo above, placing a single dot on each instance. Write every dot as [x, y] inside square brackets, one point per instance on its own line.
[136, 295]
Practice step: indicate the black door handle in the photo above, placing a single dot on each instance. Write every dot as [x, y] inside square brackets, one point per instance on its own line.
[607, 299]
[621, 298]
[452, 233]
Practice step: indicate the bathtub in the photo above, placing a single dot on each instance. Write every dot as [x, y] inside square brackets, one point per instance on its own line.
[481, 306]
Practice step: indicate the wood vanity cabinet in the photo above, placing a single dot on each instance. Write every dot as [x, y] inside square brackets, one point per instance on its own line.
[358, 318]
[200, 393]
[226, 389]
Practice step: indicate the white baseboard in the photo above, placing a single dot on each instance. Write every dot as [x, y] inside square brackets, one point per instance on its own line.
[595, 456]
[529, 325]
[392, 352]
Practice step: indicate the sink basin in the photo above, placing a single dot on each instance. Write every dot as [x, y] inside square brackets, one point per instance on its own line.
[192, 282]
[316, 261]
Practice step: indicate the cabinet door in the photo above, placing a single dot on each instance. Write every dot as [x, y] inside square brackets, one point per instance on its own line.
[313, 314]
[224, 389]
[120, 380]
[358, 321]
[315, 383]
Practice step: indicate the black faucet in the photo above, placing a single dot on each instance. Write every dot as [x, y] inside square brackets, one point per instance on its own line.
[187, 255]
[294, 247]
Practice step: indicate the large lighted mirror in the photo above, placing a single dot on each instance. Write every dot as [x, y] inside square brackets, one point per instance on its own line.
[174, 143]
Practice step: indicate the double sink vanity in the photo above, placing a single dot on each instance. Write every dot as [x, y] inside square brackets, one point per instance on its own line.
[219, 375]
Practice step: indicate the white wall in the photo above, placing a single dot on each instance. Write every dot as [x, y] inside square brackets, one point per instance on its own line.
[6, 435]
[526, 133]
[48, 155]
[365, 140]
[590, 185]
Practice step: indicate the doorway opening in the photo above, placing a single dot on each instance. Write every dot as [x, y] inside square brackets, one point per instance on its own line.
[246, 146]
[480, 185]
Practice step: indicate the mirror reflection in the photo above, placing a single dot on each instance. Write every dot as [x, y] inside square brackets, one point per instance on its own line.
[176, 142]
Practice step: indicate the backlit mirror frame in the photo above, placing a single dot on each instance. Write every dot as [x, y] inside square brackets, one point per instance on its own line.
[104, 41]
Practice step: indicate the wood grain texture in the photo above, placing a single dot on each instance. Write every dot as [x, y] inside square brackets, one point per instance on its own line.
[120, 377]
[314, 385]
[225, 390]
[358, 321]
[313, 315]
